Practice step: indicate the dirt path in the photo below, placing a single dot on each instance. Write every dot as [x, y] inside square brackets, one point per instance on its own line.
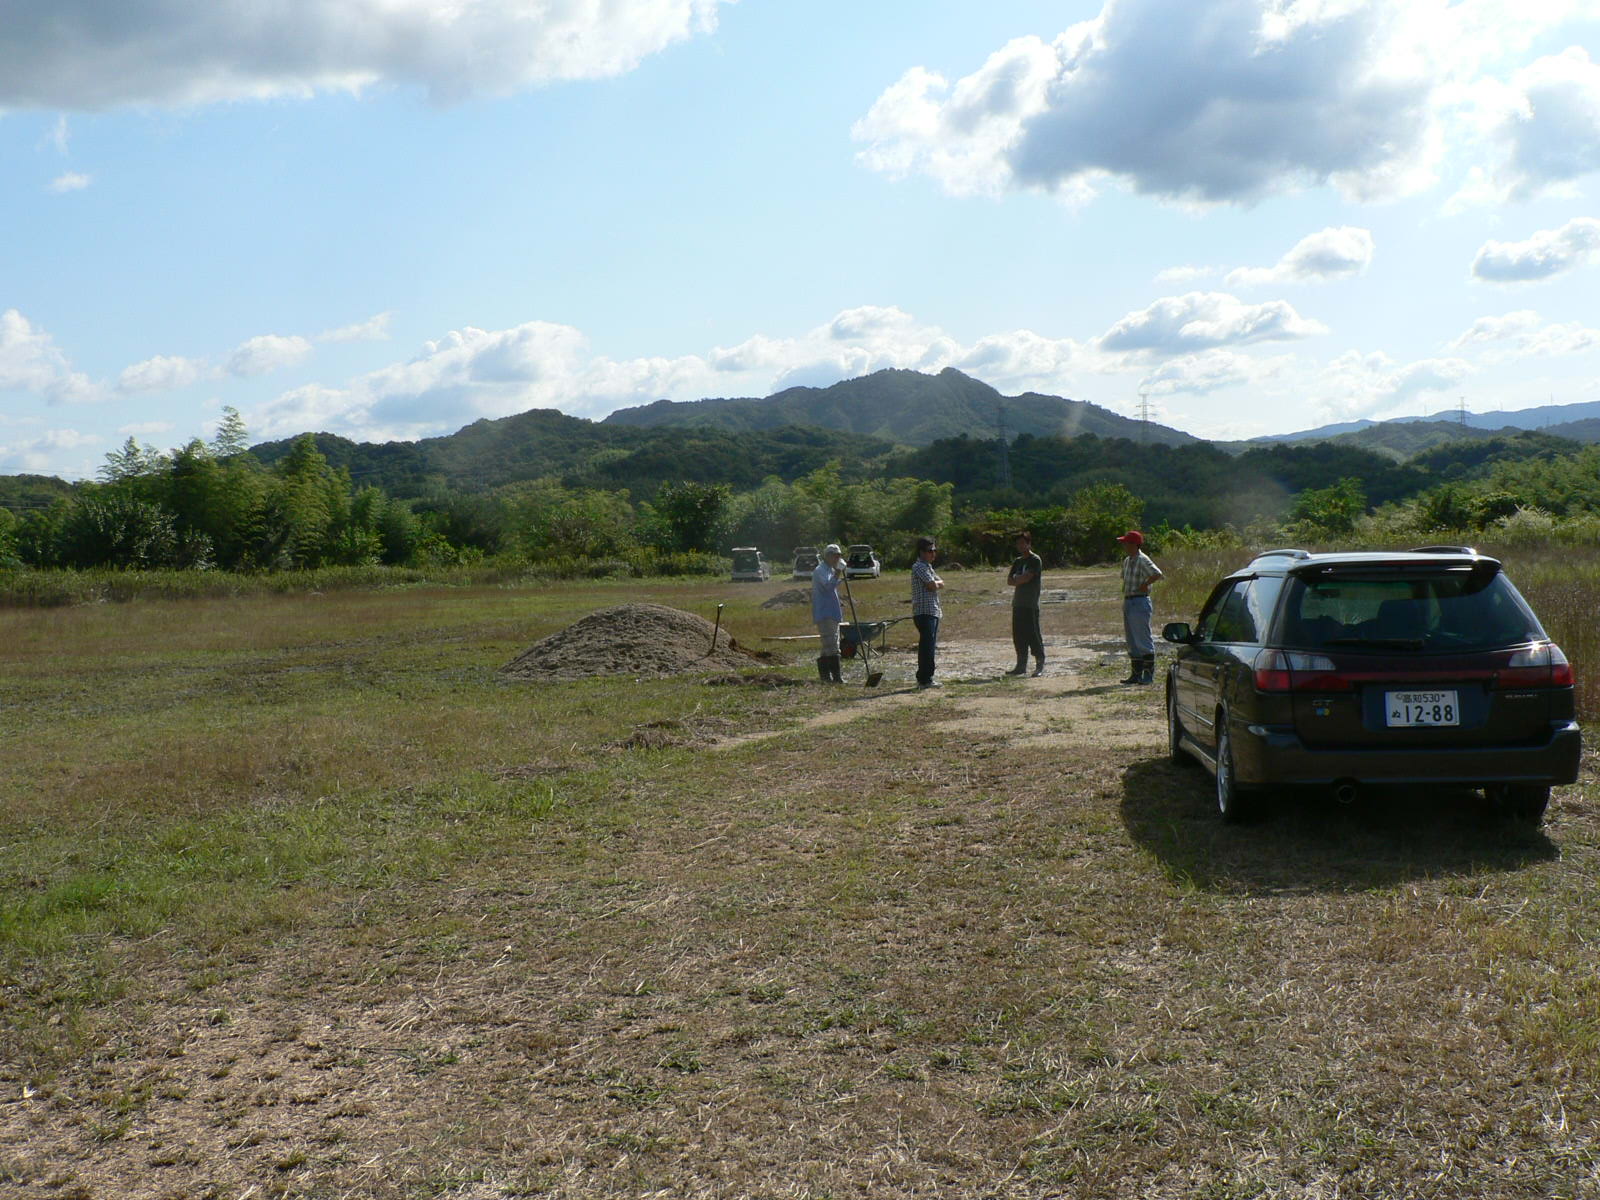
[1073, 716]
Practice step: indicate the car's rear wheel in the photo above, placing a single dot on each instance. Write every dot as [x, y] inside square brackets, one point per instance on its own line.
[1232, 804]
[1175, 749]
[1525, 802]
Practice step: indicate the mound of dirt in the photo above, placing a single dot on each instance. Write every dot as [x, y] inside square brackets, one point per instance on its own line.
[785, 599]
[643, 640]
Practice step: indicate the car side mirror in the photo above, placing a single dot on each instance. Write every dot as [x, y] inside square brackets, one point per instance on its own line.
[1179, 632]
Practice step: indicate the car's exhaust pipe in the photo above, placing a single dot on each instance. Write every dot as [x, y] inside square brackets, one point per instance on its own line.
[1345, 791]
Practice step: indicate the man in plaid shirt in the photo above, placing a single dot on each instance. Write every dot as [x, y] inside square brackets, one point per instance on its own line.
[1138, 573]
[925, 610]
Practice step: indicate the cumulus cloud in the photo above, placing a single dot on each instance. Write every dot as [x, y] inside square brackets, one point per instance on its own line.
[1201, 374]
[1335, 253]
[1525, 334]
[145, 428]
[70, 181]
[1365, 385]
[1548, 252]
[40, 453]
[1254, 97]
[30, 361]
[1184, 274]
[159, 374]
[266, 353]
[91, 55]
[1548, 133]
[373, 329]
[1200, 321]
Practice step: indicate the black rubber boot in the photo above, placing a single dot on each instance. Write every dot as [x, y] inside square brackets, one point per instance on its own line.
[835, 669]
[1038, 668]
[1147, 669]
[822, 670]
[1020, 669]
[1135, 670]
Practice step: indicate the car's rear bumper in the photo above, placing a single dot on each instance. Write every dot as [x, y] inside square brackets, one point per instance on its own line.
[1274, 754]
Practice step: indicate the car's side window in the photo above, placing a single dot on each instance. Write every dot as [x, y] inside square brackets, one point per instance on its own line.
[1205, 627]
[1262, 600]
[1233, 622]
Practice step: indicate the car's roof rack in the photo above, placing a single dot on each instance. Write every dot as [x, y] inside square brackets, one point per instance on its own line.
[1443, 550]
[1285, 553]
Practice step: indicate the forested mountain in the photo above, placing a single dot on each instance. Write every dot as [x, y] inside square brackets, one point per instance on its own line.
[491, 453]
[1579, 422]
[22, 493]
[906, 407]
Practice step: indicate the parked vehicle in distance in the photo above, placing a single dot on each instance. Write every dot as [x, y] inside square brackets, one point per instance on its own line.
[861, 563]
[1344, 670]
[749, 566]
[806, 559]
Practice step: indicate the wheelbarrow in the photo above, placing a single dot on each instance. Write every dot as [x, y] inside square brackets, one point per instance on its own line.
[873, 634]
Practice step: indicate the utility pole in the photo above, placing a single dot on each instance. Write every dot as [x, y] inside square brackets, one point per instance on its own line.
[1004, 445]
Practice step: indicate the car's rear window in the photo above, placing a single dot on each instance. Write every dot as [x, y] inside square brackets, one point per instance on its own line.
[1431, 612]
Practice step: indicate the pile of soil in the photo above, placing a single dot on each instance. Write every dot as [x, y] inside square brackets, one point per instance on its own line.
[785, 599]
[642, 640]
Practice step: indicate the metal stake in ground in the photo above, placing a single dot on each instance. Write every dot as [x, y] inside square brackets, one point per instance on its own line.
[873, 677]
[715, 629]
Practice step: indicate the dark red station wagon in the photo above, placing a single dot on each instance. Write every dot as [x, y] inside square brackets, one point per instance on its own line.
[1345, 670]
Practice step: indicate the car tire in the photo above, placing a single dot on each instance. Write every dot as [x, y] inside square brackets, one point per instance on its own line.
[1232, 805]
[1522, 802]
[1175, 750]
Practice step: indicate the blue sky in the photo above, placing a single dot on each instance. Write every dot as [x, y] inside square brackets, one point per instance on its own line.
[388, 218]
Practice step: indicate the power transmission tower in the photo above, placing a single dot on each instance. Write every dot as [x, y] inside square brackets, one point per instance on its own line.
[1144, 417]
[1004, 446]
[1461, 412]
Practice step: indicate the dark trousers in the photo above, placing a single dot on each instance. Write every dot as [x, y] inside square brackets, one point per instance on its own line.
[1026, 634]
[927, 642]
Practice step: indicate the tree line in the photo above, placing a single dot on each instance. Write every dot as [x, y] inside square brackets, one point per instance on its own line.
[217, 504]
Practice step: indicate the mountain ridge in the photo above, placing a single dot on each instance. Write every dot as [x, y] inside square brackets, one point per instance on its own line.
[908, 407]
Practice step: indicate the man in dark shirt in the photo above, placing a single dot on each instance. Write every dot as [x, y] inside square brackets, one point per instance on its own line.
[1023, 579]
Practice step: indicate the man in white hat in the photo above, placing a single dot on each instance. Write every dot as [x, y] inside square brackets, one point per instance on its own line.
[827, 612]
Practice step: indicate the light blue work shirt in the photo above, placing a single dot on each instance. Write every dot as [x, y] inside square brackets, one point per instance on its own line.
[825, 594]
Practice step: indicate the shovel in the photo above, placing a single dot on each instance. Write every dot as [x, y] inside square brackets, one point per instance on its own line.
[873, 677]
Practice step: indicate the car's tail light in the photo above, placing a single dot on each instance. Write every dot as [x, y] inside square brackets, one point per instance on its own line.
[1294, 671]
[1540, 666]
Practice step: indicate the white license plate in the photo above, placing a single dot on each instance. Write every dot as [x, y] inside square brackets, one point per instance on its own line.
[1422, 708]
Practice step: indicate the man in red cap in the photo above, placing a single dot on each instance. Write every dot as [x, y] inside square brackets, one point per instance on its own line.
[1138, 573]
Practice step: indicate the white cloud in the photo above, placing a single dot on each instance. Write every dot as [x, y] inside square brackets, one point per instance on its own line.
[1200, 374]
[40, 453]
[145, 428]
[91, 55]
[70, 181]
[30, 361]
[1335, 253]
[1226, 100]
[1495, 329]
[373, 329]
[1370, 385]
[1548, 133]
[159, 374]
[266, 353]
[1200, 321]
[1548, 252]
[1185, 274]
[1525, 334]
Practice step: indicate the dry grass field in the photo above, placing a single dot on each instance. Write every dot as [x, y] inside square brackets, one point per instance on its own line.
[299, 898]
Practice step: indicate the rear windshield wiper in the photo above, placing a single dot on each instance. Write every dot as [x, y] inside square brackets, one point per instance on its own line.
[1385, 643]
